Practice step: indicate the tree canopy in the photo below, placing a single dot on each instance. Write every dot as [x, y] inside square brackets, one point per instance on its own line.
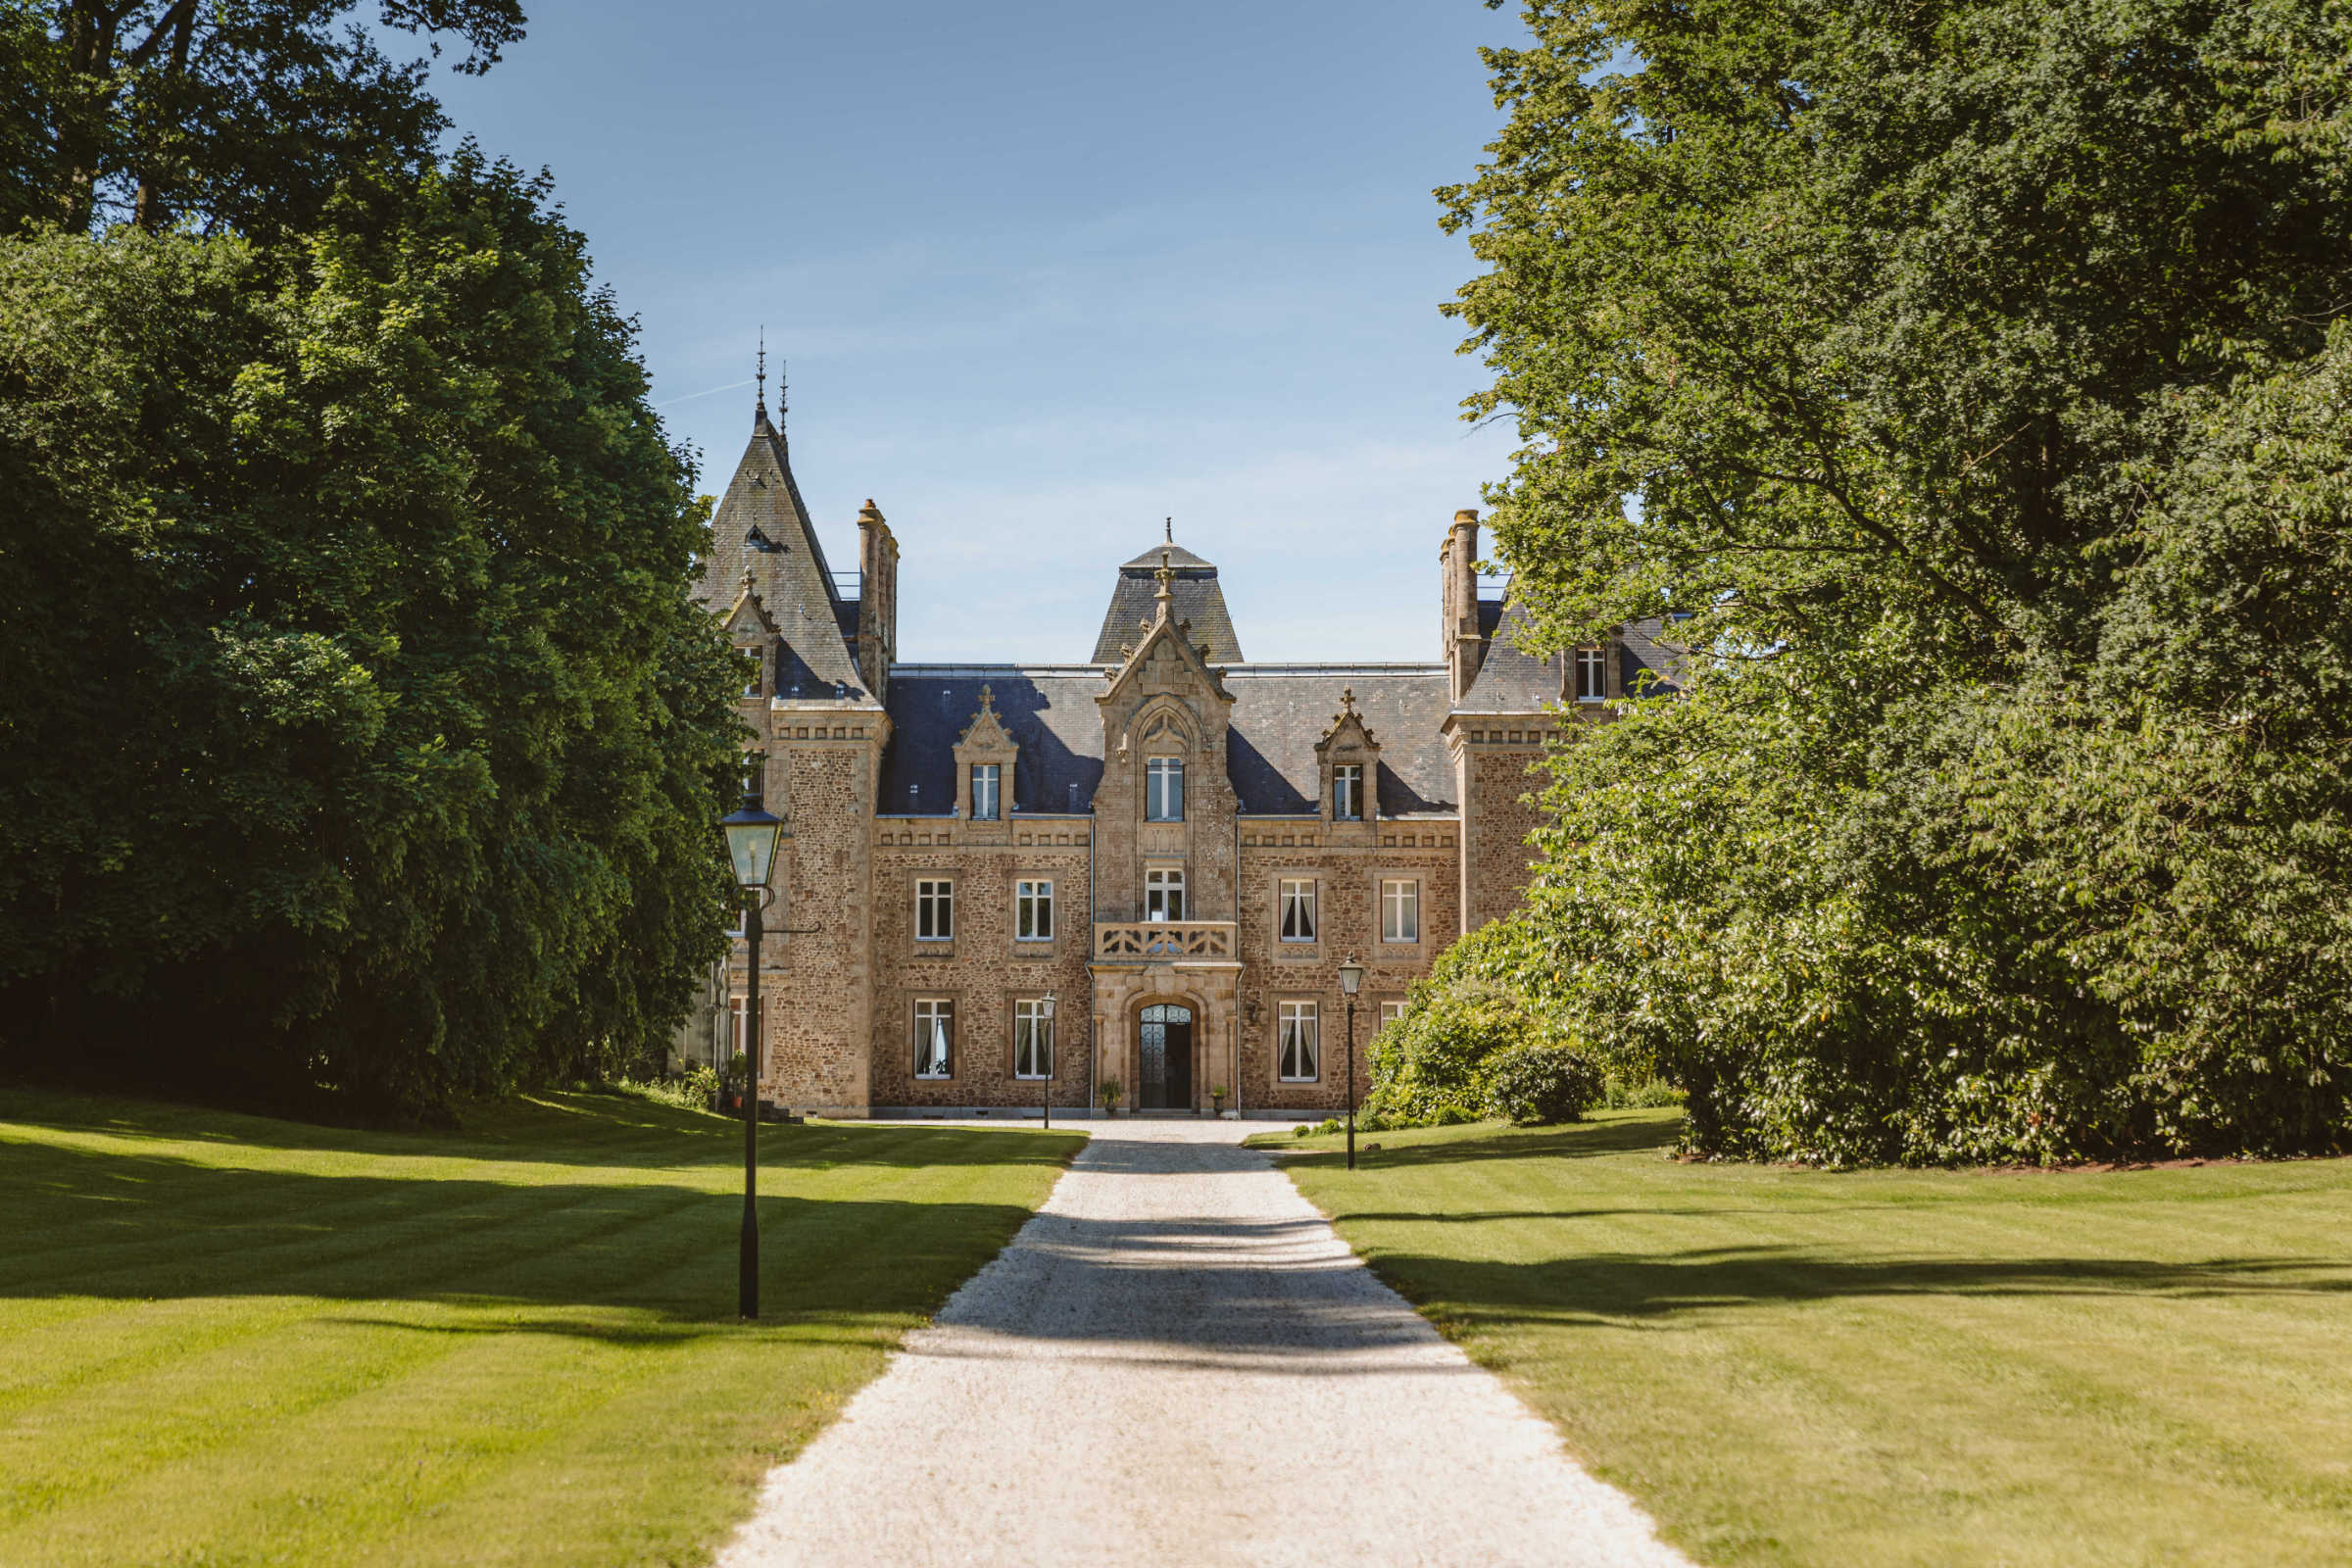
[357, 729]
[1967, 378]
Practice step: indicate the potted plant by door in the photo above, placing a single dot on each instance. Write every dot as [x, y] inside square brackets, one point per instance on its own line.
[730, 1086]
[1109, 1091]
[1217, 1096]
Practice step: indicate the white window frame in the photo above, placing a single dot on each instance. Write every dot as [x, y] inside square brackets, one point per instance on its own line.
[1400, 911]
[1391, 1010]
[1032, 1032]
[739, 1030]
[1592, 674]
[986, 779]
[1163, 789]
[1299, 1041]
[934, 1038]
[1294, 905]
[1163, 894]
[1033, 909]
[1347, 791]
[934, 908]
[758, 672]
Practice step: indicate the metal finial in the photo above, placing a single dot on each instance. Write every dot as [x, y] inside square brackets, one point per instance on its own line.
[760, 375]
[783, 389]
[1169, 523]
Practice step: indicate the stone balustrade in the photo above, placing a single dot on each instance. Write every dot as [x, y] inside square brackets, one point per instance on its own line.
[1166, 940]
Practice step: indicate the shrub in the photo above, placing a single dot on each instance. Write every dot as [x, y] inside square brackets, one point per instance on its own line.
[1429, 1067]
[1644, 1093]
[1542, 1083]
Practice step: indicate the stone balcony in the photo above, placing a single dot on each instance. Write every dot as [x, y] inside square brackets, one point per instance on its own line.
[1166, 941]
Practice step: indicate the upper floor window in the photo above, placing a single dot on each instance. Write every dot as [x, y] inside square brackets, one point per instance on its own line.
[1298, 908]
[934, 910]
[1163, 789]
[1390, 1011]
[1592, 674]
[1033, 910]
[934, 1038]
[1163, 894]
[1032, 1040]
[1347, 791]
[753, 665]
[1400, 911]
[984, 791]
[1300, 1042]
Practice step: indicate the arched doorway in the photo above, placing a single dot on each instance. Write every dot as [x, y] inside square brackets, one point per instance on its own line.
[1164, 1047]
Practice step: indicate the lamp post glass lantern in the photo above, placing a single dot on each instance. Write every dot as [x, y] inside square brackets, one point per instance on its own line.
[751, 838]
[1045, 1013]
[1351, 980]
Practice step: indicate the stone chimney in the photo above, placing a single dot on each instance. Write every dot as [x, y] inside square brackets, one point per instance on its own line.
[877, 600]
[1463, 646]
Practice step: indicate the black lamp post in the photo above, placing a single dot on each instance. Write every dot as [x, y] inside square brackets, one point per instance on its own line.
[1352, 977]
[1045, 1011]
[751, 838]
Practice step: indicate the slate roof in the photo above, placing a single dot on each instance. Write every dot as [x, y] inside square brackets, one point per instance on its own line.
[1279, 713]
[794, 582]
[1194, 597]
[1049, 711]
[1514, 681]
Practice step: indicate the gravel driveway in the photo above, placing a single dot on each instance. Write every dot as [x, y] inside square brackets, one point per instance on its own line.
[1179, 1361]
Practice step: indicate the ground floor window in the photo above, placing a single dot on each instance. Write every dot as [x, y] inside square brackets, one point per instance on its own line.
[934, 1038]
[1389, 1012]
[1301, 1043]
[1032, 1040]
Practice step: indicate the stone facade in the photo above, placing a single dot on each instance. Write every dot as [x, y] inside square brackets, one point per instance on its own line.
[1179, 847]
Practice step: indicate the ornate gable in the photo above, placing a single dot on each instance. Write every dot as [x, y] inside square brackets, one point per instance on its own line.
[1348, 743]
[985, 743]
[1166, 663]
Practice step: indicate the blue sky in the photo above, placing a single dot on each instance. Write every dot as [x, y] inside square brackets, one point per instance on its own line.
[1046, 272]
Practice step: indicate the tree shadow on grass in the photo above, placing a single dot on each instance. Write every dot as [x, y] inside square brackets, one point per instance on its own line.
[563, 1129]
[1577, 1141]
[130, 1226]
[1655, 1290]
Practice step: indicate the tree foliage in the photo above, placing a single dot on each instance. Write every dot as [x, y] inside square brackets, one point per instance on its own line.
[1966, 375]
[357, 728]
[240, 114]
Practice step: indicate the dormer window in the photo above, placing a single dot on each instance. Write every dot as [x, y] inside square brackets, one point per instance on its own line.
[1592, 674]
[985, 776]
[754, 662]
[1163, 789]
[1347, 791]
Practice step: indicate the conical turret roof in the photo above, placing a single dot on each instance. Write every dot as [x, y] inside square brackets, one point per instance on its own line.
[763, 525]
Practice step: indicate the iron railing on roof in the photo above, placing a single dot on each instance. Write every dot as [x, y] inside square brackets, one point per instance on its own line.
[848, 585]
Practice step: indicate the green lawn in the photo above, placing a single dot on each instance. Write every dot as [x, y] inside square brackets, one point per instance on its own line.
[229, 1339]
[1947, 1368]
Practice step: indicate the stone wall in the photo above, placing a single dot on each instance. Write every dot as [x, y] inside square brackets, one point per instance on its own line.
[1494, 783]
[1349, 866]
[984, 969]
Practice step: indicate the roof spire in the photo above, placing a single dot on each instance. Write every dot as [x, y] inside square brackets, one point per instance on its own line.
[1171, 524]
[783, 391]
[759, 408]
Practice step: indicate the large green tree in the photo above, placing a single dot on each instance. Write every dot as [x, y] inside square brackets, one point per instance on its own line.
[1958, 373]
[357, 730]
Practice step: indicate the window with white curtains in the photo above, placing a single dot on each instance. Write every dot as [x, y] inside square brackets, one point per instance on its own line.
[934, 1038]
